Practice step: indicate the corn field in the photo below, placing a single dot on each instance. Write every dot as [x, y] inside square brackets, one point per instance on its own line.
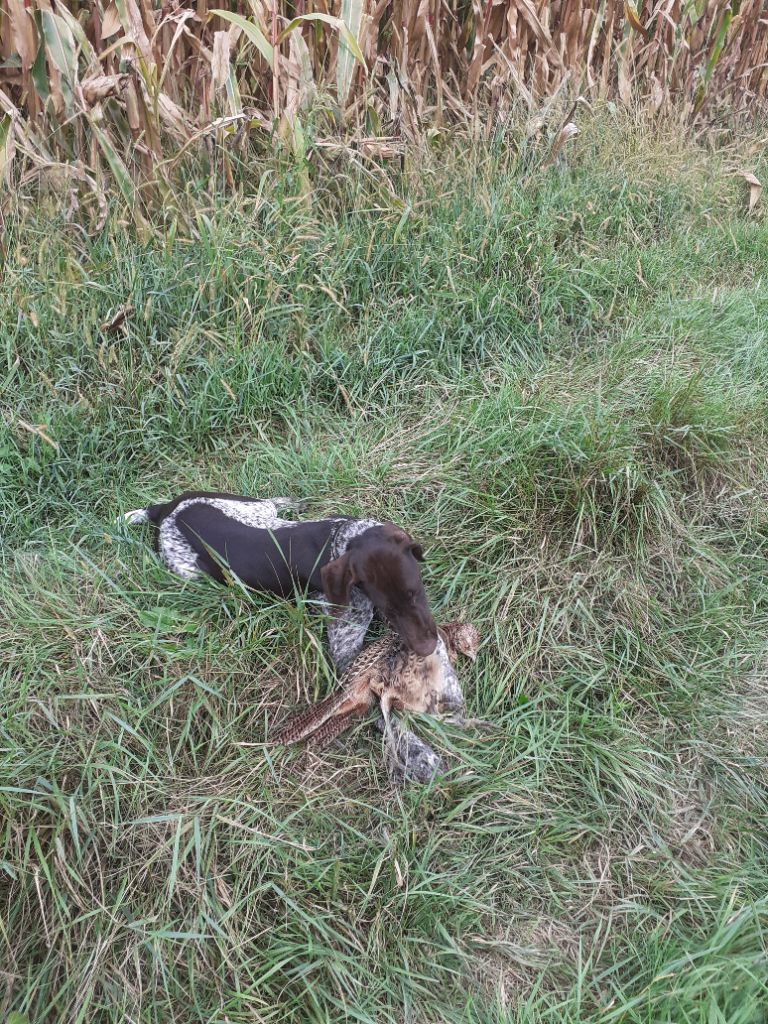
[125, 89]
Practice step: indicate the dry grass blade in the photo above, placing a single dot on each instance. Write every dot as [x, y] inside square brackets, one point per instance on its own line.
[7, 147]
[23, 33]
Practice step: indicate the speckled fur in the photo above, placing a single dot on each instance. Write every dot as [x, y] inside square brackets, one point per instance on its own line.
[346, 632]
[408, 758]
[451, 691]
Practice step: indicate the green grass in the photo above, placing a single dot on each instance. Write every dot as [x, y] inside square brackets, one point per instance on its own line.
[559, 385]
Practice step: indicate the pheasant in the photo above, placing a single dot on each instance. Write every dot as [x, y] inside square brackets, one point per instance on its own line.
[399, 679]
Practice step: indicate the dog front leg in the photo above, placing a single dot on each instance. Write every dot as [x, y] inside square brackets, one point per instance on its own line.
[346, 633]
[410, 759]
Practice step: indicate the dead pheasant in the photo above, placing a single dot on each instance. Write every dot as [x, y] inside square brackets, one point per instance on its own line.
[401, 680]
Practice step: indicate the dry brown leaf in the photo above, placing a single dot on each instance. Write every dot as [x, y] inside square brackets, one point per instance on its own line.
[24, 33]
[483, 55]
[220, 61]
[138, 32]
[173, 117]
[657, 93]
[394, 95]
[132, 109]
[755, 188]
[300, 89]
[117, 319]
[7, 147]
[625, 83]
[102, 86]
[110, 26]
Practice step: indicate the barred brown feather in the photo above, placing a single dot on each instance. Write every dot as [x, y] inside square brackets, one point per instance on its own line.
[385, 669]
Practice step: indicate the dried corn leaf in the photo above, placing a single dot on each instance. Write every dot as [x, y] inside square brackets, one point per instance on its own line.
[351, 15]
[328, 19]
[110, 24]
[131, 20]
[625, 81]
[429, 55]
[220, 61]
[657, 93]
[251, 31]
[122, 178]
[173, 117]
[7, 147]
[84, 47]
[755, 189]
[23, 33]
[300, 90]
[61, 44]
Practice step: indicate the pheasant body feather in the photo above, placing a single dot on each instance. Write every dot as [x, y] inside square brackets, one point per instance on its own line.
[386, 670]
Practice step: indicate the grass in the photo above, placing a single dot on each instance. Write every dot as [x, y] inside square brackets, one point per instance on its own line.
[559, 384]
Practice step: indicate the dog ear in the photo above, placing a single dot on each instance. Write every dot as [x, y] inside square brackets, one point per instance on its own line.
[337, 578]
[418, 552]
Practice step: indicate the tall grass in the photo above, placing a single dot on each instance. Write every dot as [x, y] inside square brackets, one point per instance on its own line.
[559, 384]
[126, 88]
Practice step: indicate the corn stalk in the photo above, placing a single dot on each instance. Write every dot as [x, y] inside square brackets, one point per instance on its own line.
[122, 89]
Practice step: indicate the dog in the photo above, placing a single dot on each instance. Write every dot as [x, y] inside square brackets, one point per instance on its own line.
[354, 567]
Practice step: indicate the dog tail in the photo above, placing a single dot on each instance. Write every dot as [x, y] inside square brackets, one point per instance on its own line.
[137, 515]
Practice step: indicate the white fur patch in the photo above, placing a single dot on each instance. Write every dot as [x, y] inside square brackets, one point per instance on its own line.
[346, 632]
[451, 691]
[346, 532]
[136, 515]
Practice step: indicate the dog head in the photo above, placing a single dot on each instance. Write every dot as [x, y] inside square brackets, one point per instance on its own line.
[384, 562]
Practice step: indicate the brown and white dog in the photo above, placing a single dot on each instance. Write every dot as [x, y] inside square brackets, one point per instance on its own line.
[358, 565]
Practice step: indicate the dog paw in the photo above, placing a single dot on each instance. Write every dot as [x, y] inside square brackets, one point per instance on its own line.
[410, 759]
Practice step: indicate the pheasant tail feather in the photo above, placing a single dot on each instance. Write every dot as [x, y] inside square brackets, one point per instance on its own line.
[323, 717]
[334, 727]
